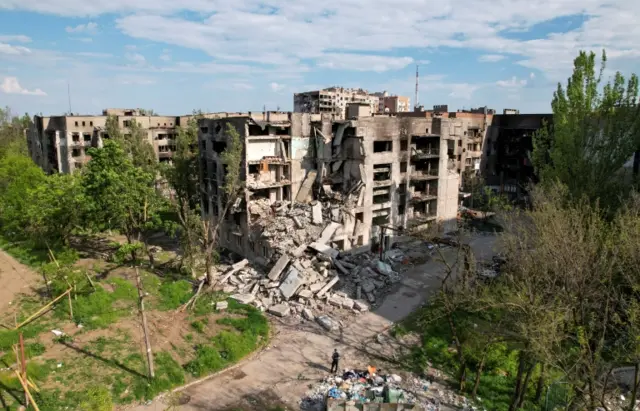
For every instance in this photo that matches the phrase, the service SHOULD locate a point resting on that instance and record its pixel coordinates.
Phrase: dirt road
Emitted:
(302, 352)
(15, 279)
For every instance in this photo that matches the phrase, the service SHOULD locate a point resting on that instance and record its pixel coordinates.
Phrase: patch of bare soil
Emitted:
(15, 279)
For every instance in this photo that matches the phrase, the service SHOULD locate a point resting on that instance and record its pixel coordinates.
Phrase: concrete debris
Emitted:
(316, 213)
(316, 276)
(327, 322)
(308, 314)
(222, 305)
(279, 267)
(280, 310)
(243, 298)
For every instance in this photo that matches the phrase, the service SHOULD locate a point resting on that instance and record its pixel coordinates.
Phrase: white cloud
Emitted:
(90, 27)
(512, 83)
(83, 39)
(532, 75)
(463, 91)
(359, 62)
(276, 87)
(10, 85)
(94, 54)
(131, 47)
(136, 58)
(491, 58)
(135, 80)
(18, 38)
(165, 56)
(14, 50)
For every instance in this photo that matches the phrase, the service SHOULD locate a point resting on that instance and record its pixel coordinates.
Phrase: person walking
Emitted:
(335, 358)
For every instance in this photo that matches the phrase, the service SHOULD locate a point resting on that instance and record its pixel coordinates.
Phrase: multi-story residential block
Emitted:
(310, 178)
(392, 103)
(333, 101)
(60, 143)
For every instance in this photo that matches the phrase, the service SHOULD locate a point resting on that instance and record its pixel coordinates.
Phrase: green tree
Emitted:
(19, 176)
(595, 130)
(231, 188)
(12, 132)
(183, 177)
(134, 141)
(120, 195)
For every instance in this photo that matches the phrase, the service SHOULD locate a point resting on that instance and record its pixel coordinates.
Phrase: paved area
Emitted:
(301, 353)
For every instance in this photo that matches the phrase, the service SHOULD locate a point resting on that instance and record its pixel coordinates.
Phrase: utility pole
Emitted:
(69, 96)
(417, 81)
(143, 315)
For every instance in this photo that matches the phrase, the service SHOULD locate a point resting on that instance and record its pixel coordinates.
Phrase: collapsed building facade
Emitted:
(312, 181)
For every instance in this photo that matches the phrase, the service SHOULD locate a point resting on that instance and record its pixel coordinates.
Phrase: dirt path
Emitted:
(15, 279)
(301, 353)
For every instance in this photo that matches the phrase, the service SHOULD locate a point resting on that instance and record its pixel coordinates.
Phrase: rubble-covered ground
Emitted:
(316, 282)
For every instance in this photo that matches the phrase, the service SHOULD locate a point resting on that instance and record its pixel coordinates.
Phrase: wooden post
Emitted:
(23, 367)
(143, 315)
(26, 391)
(43, 309)
(70, 307)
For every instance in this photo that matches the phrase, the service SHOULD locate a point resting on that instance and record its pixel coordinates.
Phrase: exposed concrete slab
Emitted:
(316, 213)
(280, 310)
(325, 249)
(328, 232)
(244, 298)
(327, 287)
(277, 269)
(291, 283)
(306, 294)
(304, 194)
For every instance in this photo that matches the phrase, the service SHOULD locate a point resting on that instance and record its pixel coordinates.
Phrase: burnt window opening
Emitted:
(420, 208)
(254, 168)
(336, 187)
(217, 128)
(256, 130)
(382, 172)
(105, 136)
(381, 217)
(286, 193)
(165, 160)
(75, 137)
(204, 130)
(404, 145)
(425, 146)
(401, 208)
(76, 152)
(382, 146)
(427, 131)
(403, 167)
(465, 133)
(286, 149)
(360, 217)
(459, 143)
(87, 137)
(260, 194)
(459, 157)
(126, 123)
(381, 196)
(219, 146)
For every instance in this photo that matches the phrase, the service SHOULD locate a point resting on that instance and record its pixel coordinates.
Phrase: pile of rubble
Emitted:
(365, 386)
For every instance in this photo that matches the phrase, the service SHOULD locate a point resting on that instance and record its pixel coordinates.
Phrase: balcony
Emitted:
(420, 196)
(424, 174)
(425, 153)
(421, 218)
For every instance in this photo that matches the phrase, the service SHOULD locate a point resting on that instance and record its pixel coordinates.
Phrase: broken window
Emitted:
(126, 123)
(105, 135)
(256, 130)
(381, 217)
(76, 124)
(286, 193)
(204, 130)
(75, 137)
(403, 167)
(459, 143)
(83, 124)
(401, 208)
(219, 146)
(382, 146)
(254, 168)
(91, 123)
(87, 137)
(263, 193)
(76, 152)
(404, 145)
(381, 172)
(381, 195)
(360, 217)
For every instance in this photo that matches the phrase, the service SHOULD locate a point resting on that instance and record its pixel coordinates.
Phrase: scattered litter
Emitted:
(57, 333)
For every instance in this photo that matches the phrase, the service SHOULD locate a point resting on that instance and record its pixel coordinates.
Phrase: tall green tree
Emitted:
(184, 178)
(120, 195)
(12, 132)
(134, 141)
(595, 130)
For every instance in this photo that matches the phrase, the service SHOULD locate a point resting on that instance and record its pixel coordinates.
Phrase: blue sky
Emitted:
(240, 55)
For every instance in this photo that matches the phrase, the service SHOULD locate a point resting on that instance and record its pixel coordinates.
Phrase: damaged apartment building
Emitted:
(59, 144)
(328, 184)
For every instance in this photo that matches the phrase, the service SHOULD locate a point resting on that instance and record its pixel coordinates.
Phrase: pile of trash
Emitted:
(366, 386)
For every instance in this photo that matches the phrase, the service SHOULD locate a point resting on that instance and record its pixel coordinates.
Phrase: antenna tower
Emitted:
(417, 76)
